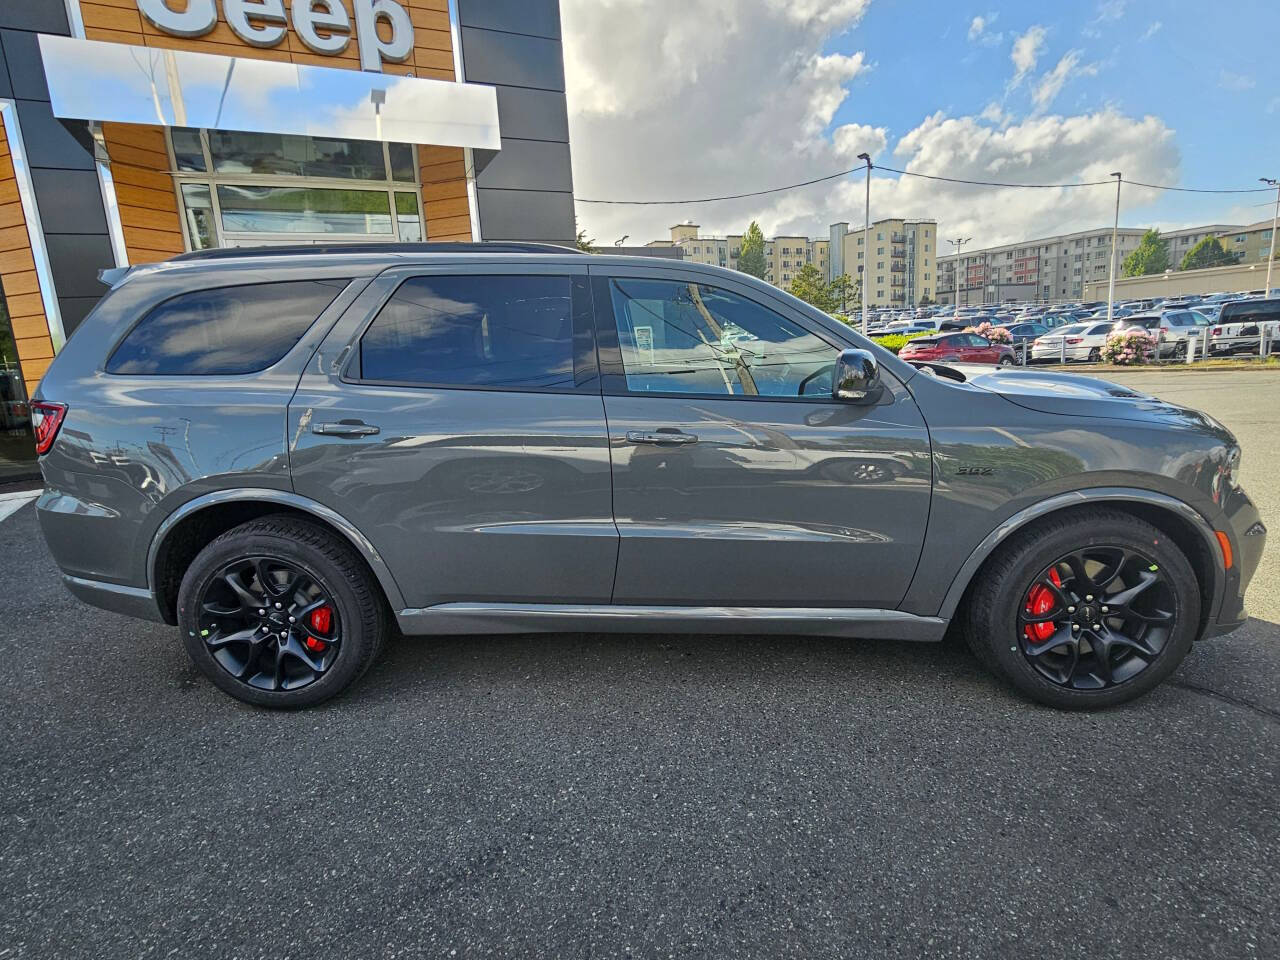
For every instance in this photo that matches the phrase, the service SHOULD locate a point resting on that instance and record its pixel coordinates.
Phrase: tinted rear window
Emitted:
(228, 330)
(1251, 311)
(474, 331)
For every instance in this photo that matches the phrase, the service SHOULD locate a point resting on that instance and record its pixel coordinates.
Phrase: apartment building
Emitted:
(783, 256)
(1057, 268)
(903, 261)
(1252, 244)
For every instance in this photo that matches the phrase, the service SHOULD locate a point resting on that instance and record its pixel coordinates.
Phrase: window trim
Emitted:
(581, 309)
(613, 377)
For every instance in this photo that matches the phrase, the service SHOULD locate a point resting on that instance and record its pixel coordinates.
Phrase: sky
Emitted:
(674, 99)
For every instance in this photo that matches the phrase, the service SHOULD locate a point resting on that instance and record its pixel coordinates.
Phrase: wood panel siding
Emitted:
(18, 276)
(139, 157)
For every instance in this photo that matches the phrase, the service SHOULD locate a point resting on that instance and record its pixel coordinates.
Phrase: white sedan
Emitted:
(1080, 341)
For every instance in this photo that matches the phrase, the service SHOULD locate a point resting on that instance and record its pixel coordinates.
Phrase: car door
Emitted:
(737, 479)
(454, 416)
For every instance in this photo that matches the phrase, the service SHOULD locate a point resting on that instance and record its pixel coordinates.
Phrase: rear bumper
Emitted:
(137, 602)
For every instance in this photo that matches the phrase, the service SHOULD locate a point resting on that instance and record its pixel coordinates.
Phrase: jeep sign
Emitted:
(323, 25)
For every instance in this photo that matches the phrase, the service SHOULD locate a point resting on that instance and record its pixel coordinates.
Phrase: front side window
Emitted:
(496, 332)
(228, 330)
(691, 338)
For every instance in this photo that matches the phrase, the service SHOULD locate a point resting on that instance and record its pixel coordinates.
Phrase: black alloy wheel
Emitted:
(269, 623)
(1097, 617)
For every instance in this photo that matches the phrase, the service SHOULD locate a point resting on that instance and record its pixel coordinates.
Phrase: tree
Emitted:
(1209, 252)
(585, 245)
(1152, 256)
(751, 253)
(925, 301)
(844, 294)
(810, 287)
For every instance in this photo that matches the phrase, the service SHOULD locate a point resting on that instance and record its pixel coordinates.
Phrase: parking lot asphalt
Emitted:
(595, 796)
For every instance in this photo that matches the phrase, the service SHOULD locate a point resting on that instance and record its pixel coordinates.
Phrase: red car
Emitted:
(958, 348)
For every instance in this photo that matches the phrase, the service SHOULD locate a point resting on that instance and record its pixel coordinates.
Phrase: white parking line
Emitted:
(11, 503)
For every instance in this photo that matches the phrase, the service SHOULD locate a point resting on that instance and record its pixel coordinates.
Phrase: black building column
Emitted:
(525, 191)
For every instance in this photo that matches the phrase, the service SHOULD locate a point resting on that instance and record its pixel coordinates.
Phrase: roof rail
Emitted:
(222, 253)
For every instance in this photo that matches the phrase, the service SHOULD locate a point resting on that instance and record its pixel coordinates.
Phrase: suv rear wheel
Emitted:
(1085, 611)
(279, 612)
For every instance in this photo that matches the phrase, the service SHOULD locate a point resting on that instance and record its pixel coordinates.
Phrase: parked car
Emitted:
(1241, 324)
(1081, 341)
(958, 348)
(1026, 332)
(1177, 328)
(519, 438)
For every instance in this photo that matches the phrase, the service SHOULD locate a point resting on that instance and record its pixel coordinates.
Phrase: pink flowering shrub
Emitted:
(1130, 347)
(992, 333)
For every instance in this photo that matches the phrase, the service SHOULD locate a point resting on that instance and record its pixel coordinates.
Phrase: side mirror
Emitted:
(857, 377)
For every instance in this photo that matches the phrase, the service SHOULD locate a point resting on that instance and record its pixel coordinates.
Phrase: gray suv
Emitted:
(289, 453)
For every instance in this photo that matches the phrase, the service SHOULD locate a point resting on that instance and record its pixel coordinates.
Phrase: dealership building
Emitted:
(135, 130)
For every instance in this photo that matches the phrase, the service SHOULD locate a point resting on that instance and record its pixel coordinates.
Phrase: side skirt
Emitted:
(460, 618)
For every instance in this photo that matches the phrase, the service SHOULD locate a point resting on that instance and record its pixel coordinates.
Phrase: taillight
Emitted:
(1217, 331)
(46, 418)
(1075, 339)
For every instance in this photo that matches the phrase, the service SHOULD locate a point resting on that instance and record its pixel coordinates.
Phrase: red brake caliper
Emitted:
(321, 621)
(1040, 600)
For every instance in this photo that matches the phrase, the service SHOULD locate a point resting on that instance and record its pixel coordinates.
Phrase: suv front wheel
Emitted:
(279, 612)
(1089, 610)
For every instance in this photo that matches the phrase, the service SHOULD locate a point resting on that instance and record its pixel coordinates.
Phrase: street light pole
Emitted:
(866, 241)
(1275, 219)
(1115, 241)
(959, 245)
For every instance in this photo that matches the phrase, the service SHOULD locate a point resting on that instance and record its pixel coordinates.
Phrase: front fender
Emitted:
(1075, 498)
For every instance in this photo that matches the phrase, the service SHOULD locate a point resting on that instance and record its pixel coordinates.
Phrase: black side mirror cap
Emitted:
(857, 377)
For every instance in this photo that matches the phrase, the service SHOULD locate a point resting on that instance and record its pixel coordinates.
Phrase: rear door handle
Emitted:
(345, 428)
(658, 436)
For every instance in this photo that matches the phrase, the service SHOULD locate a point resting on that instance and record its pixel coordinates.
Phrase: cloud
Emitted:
(662, 107)
(1026, 52)
(1151, 31)
(841, 14)
(1050, 85)
(979, 32)
(1109, 11)
(1237, 82)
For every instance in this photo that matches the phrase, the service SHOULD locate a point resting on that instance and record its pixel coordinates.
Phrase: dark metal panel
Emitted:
(540, 18)
(527, 114)
(45, 16)
(75, 309)
(26, 69)
(528, 165)
(70, 201)
(49, 142)
(512, 59)
(76, 260)
(524, 214)
(6, 88)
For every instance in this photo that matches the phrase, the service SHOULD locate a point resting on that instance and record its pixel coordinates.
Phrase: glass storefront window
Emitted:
(188, 151)
(265, 209)
(407, 218)
(403, 167)
(278, 154)
(17, 446)
(199, 206)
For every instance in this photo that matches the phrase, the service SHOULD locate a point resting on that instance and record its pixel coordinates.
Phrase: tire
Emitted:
(1180, 350)
(991, 615)
(1095, 355)
(1006, 361)
(334, 576)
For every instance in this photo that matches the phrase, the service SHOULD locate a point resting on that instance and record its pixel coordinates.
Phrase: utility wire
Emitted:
(734, 196)
(922, 176)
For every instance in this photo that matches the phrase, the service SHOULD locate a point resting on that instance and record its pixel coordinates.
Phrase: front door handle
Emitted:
(658, 436)
(345, 428)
